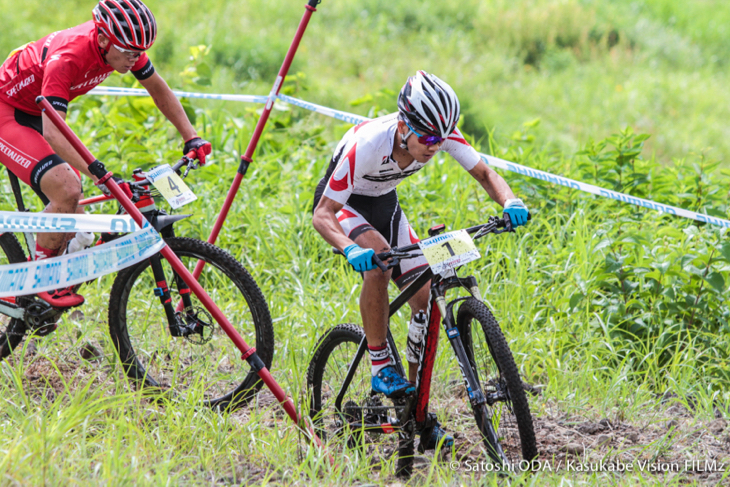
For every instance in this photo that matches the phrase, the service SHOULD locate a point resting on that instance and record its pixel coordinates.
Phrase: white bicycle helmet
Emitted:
(129, 24)
(429, 105)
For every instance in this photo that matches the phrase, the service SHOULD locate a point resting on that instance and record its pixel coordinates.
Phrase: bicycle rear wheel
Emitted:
(12, 330)
(207, 366)
(363, 420)
(507, 411)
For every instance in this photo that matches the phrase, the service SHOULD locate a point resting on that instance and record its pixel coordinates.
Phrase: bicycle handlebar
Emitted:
(137, 187)
(394, 255)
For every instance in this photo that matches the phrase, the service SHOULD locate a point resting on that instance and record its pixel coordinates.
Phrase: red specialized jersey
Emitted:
(61, 66)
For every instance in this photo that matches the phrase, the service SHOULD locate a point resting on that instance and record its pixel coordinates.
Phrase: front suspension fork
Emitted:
(177, 326)
(470, 375)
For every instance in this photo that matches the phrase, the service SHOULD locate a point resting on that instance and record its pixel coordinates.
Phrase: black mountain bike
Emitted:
(343, 404)
(164, 337)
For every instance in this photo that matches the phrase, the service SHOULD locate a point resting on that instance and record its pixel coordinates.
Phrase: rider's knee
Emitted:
(377, 276)
(66, 192)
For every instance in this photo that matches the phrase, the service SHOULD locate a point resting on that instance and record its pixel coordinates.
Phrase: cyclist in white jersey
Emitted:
(356, 209)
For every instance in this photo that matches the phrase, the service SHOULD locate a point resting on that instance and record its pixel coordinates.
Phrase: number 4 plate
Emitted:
(171, 186)
(444, 252)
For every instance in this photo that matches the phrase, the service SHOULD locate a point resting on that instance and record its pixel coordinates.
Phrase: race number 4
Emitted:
(447, 251)
(171, 186)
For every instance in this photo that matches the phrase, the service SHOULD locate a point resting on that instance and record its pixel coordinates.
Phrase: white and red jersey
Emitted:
(61, 66)
(363, 162)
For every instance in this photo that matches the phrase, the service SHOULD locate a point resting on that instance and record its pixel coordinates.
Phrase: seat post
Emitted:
(15, 185)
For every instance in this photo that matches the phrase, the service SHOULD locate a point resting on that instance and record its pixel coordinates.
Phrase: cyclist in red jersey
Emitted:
(357, 210)
(62, 66)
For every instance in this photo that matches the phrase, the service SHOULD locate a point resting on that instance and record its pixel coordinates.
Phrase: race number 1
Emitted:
(444, 252)
(171, 186)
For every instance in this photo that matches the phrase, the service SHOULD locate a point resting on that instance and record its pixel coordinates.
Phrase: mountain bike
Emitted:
(164, 337)
(343, 405)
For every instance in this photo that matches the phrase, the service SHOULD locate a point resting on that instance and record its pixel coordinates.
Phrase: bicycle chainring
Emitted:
(41, 318)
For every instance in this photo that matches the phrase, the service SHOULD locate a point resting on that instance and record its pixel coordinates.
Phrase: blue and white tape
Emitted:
(490, 160)
(13, 221)
(48, 274)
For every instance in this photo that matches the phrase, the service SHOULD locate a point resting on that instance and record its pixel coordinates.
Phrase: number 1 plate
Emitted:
(444, 252)
(171, 186)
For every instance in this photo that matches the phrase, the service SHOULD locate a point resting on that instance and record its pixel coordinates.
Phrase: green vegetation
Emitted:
(607, 305)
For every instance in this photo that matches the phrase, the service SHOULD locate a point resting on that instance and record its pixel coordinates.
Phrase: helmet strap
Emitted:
(404, 138)
(103, 50)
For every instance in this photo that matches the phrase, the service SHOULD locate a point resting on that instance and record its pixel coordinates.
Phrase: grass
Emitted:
(571, 323)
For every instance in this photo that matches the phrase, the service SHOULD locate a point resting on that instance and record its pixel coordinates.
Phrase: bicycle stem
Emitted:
(248, 353)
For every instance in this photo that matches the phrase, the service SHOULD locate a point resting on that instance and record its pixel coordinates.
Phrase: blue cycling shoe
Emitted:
(389, 382)
(435, 437)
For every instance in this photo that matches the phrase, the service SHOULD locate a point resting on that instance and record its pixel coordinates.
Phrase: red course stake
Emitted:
(248, 353)
(247, 158)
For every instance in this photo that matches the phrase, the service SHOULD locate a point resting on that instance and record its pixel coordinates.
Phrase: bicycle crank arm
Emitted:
(384, 428)
(11, 310)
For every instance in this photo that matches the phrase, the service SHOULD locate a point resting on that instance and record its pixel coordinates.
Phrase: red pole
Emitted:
(249, 353)
(247, 158)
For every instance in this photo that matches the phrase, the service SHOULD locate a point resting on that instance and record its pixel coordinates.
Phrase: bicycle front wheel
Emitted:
(208, 365)
(507, 412)
(12, 330)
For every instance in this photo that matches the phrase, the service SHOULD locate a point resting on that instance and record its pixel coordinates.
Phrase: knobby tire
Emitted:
(505, 375)
(12, 330)
(153, 358)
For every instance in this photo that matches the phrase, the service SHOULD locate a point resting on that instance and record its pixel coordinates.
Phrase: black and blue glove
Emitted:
(517, 211)
(359, 258)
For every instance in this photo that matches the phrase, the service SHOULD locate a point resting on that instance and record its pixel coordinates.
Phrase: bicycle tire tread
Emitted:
(223, 261)
(15, 329)
(508, 368)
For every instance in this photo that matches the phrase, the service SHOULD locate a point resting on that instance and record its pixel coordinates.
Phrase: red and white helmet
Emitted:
(429, 105)
(129, 24)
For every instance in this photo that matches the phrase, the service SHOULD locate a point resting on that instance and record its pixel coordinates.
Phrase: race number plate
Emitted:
(444, 252)
(171, 186)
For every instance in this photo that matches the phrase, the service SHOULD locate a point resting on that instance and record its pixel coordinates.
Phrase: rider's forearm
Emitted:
(494, 184)
(325, 222)
(169, 105)
(63, 147)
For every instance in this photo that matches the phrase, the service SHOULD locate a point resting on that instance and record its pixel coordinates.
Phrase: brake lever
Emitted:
(381, 265)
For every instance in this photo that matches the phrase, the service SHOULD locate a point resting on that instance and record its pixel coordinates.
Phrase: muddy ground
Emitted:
(669, 442)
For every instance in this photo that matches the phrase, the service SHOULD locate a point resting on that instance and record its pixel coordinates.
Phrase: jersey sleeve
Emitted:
(59, 75)
(143, 68)
(457, 146)
(355, 160)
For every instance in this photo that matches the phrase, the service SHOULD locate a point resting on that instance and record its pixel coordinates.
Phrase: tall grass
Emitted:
(606, 305)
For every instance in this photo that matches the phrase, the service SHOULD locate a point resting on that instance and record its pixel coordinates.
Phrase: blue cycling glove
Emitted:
(517, 212)
(361, 259)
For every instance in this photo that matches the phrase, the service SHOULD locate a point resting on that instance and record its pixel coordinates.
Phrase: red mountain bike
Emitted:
(164, 336)
(343, 404)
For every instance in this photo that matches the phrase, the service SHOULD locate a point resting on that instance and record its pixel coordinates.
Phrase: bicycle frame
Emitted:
(418, 403)
(248, 353)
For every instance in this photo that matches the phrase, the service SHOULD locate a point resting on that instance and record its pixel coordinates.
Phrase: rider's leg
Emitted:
(63, 188)
(61, 185)
(374, 310)
(374, 294)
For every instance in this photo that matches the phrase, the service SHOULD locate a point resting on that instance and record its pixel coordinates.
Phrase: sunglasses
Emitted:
(131, 55)
(427, 140)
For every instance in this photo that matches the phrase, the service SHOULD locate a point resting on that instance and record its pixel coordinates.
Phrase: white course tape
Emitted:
(492, 161)
(59, 272)
(111, 91)
(589, 188)
(13, 221)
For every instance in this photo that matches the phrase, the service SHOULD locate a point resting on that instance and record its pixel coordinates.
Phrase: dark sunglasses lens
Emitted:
(430, 140)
